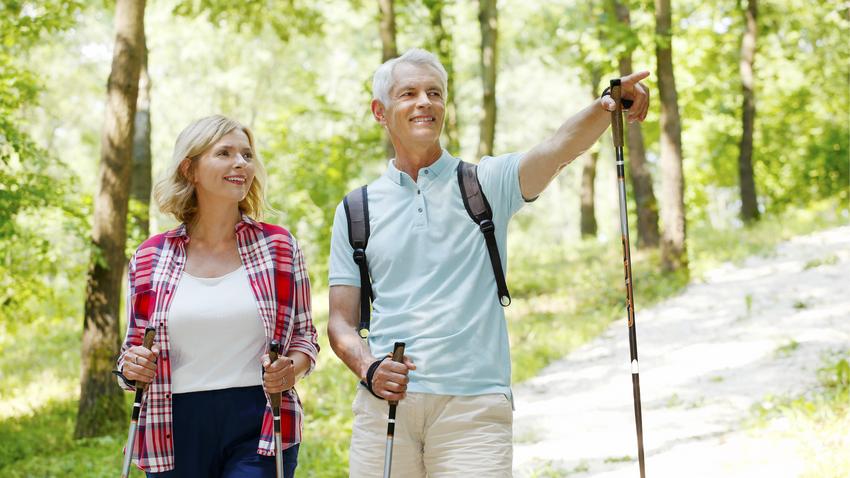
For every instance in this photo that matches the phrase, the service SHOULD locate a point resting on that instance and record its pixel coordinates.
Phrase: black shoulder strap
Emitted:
(356, 204)
(479, 210)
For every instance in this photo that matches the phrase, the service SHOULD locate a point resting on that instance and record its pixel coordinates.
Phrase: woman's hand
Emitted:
(140, 363)
(278, 376)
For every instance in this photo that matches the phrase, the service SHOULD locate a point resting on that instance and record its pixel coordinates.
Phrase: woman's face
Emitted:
(226, 170)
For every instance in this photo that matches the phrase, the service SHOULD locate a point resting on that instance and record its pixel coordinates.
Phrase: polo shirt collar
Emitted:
(439, 166)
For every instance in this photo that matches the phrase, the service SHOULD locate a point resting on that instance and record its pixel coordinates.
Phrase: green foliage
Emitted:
(313, 175)
(34, 185)
(283, 17)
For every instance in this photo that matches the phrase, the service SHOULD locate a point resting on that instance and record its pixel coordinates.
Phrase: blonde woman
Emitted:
(217, 289)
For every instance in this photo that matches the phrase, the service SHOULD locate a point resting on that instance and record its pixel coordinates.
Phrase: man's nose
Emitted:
(423, 99)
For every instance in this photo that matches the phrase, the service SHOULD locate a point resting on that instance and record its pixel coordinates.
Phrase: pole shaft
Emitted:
(617, 130)
(130, 448)
(274, 398)
(398, 356)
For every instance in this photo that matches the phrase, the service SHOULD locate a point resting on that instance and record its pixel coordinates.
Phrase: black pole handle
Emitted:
(274, 352)
(398, 356)
(147, 342)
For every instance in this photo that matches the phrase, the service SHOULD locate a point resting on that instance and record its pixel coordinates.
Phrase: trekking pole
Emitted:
(147, 342)
(617, 130)
(274, 350)
(398, 356)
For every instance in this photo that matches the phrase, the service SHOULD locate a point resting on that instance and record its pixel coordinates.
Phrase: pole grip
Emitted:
(617, 114)
(147, 342)
(274, 352)
(398, 356)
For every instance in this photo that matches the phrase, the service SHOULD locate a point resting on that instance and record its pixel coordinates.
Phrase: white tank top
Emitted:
(216, 334)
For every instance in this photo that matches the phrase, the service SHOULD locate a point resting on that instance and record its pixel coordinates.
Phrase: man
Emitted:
(433, 282)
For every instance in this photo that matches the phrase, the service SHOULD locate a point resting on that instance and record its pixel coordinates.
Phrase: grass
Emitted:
(562, 299)
(816, 421)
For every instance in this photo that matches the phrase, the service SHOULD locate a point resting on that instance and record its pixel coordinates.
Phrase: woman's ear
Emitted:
(186, 170)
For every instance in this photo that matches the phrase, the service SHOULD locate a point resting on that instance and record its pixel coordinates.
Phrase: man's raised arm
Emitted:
(543, 162)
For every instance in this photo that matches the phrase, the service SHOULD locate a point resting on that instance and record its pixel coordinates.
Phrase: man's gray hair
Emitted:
(383, 80)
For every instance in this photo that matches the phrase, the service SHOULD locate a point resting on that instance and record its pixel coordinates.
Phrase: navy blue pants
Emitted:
(216, 435)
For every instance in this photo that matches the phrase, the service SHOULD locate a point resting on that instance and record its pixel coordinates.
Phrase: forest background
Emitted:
(747, 143)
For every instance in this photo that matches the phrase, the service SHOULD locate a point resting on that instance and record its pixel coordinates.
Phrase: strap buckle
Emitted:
(486, 226)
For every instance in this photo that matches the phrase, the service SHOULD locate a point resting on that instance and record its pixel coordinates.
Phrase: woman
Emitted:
(217, 289)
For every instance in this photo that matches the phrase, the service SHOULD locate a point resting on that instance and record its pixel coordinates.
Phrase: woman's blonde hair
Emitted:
(175, 193)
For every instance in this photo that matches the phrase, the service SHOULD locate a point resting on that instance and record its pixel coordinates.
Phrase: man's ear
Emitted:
(378, 111)
(186, 170)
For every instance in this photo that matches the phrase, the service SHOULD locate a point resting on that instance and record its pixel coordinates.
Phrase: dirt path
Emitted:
(706, 357)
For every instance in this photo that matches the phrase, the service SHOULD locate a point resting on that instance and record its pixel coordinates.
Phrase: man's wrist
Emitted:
(363, 369)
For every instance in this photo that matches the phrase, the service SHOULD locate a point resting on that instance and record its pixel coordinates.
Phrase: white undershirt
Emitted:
(215, 333)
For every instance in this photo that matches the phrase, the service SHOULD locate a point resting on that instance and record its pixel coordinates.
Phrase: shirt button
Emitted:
(426, 171)
(420, 209)
(418, 192)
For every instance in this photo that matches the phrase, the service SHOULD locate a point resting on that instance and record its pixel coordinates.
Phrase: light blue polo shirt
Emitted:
(431, 274)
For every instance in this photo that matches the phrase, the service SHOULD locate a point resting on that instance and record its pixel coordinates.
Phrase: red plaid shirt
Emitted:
(278, 278)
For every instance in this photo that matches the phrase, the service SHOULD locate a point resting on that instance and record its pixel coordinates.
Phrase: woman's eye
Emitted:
(224, 152)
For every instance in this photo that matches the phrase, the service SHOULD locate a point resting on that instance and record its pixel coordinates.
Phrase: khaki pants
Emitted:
(436, 436)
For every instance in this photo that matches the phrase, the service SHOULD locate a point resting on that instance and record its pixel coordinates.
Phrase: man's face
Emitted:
(416, 110)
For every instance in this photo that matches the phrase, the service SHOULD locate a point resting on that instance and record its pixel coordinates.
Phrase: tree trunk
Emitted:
(647, 206)
(101, 409)
(389, 50)
(673, 249)
(488, 20)
(749, 202)
(140, 181)
(588, 209)
(587, 195)
(443, 47)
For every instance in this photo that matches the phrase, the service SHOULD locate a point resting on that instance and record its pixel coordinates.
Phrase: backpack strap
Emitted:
(479, 210)
(356, 206)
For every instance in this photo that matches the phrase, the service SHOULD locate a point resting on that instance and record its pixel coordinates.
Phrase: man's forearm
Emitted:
(574, 137)
(349, 347)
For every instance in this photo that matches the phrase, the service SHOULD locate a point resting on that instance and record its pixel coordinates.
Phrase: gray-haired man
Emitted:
(433, 282)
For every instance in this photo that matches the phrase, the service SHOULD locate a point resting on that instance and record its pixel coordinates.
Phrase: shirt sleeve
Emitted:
(135, 331)
(304, 336)
(341, 268)
(499, 178)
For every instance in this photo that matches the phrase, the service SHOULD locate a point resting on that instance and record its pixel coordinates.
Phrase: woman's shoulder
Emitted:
(157, 242)
(274, 229)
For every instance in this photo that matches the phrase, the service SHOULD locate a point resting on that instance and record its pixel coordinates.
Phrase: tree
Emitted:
(749, 202)
(673, 250)
(140, 182)
(389, 50)
(442, 45)
(588, 209)
(588, 172)
(101, 402)
(488, 21)
(647, 206)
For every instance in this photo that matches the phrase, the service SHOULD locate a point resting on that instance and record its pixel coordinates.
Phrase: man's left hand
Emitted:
(632, 89)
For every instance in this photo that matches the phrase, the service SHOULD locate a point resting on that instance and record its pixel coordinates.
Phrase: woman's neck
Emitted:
(214, 224)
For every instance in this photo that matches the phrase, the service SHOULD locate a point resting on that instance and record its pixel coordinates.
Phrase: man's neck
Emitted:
(411, 160)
